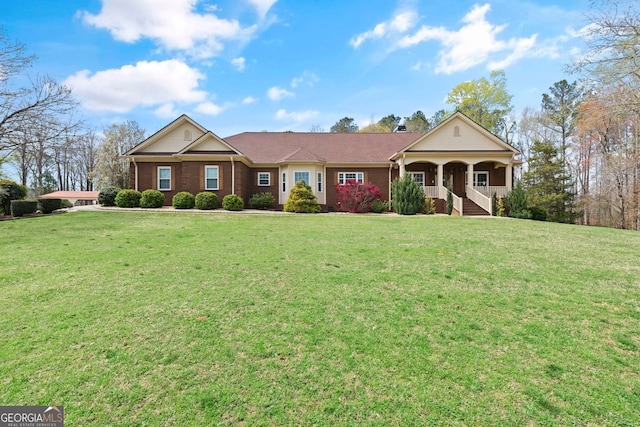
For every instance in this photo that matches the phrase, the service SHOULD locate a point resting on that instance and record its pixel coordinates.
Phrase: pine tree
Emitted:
(547, 184)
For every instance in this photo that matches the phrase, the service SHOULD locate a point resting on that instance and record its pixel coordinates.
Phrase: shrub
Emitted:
(494, 204)
(538, 213)
(379, 206)
(232, 202)
(49, 205)
(356, 197)
(10, 191)
(517, 202)
(128, 199)
(184, 200)
(302, 200)
(152, 199)
(262, 201)
(107, 196)
(429, 206)
(206, 200)
(23, 207)
(65, 204)
(500, 207)
(449, 202)
(408, 195)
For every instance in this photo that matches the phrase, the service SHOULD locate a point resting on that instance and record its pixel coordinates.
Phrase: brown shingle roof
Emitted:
(275, 147)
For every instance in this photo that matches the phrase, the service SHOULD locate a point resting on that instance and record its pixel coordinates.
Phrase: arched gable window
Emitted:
(456, 131)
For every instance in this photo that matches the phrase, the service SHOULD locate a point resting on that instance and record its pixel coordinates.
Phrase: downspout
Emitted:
(390, 169)
(135, 173)
(233, 176)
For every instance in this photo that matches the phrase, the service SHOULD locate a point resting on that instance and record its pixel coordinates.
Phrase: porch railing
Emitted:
(487, 191)
(457, 201)
(432, 191)
(478, 198)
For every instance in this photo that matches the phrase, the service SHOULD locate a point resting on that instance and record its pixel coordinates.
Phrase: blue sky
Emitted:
(253, 65)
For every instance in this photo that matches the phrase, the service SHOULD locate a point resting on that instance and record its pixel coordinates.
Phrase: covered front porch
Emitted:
(472, 181)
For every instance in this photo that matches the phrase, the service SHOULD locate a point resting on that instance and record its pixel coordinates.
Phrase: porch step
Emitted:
(469, 208)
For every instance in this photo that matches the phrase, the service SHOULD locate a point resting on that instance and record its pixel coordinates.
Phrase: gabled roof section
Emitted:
(209, 143)
(302, 155)
(458, 133)
(171, 139)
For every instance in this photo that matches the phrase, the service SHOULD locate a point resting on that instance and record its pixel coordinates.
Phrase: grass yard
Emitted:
(156, 319)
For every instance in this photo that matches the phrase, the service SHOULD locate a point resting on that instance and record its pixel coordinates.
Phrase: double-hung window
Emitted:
(264, 179)
(319, 182)
(211, 178)
(480, 179)
(418, 177)
(301, 176)
(284, 182)
(343, 177)
(164, 178)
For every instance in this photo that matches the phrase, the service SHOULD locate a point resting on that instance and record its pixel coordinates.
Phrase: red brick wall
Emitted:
(376, 176)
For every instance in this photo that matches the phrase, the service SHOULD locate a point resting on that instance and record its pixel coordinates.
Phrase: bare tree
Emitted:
(111, 168)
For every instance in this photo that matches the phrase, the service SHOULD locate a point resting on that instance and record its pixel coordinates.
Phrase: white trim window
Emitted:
(211, 178)
(343, 177)
(481, 179)
(319, 182)
(284, 182)
(264, 179)
(417, 177)
(301, 176)
(164, 178)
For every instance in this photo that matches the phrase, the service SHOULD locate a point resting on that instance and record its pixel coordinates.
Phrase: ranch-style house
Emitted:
(459, 153)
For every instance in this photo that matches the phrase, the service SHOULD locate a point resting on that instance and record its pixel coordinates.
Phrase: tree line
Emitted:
(43, 140)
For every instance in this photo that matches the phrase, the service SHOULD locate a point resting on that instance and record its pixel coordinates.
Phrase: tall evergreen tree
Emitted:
(547, 184)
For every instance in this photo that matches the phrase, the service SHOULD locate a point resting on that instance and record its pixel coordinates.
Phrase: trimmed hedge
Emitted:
(10, 191)
(107, 196)
(232, 202)
(262, 201)
(151, 199)
(49, 205)
(379, 206)
(128, 199)
(206, 200)
(184, 200)
(23, 207)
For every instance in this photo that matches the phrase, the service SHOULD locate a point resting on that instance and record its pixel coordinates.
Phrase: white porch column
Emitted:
(470, 175)
(402, 171)
(509, 177)
(440, 175)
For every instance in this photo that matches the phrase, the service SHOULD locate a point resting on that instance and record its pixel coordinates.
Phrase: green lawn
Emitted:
(177, 319)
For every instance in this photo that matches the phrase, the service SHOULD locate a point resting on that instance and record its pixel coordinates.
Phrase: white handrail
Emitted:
(479, 199)
(457, 203)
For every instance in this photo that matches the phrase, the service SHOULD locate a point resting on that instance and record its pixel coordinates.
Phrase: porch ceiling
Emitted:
(468, 157)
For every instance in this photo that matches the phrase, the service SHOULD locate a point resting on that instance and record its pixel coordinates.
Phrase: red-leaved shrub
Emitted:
(356, 197)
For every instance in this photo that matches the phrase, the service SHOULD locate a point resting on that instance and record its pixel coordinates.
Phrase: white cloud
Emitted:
(166, 111)
(296, 116)
(473, 44)
(209, 108)
(173, 24)
(400, 23)
(143, 84)
(276, 94)
(249, 100)
(262, 6)
(238, 63)
(307, 78)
